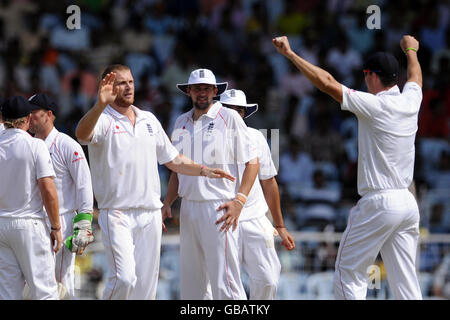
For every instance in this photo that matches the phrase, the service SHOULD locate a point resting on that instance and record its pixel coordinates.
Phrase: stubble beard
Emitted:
(203, 106)
(123, 103)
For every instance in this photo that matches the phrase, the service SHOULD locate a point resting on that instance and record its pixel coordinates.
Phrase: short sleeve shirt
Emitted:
(218, 139)
(24, 160)
(124, 160)
(256, 205)
(73, 177)
(387, 126)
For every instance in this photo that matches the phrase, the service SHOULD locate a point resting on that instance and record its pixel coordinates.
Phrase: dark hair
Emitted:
(114, 67)
(386, 67)
(388, 81)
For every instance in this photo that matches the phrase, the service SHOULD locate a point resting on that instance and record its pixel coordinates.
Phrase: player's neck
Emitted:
(126, 111)
(199, 112)
(44, 133)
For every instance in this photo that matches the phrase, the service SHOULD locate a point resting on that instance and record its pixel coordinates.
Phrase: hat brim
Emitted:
(249, 108)
(221, 87)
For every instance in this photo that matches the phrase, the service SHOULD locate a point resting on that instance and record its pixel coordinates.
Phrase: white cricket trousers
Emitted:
(132, 241)
(26, 255)
(65, 259)
(385, 222)
(259, 257)
(207, 255)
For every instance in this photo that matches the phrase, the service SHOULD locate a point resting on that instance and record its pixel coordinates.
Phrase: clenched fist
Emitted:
(282, 45)
(409, 42)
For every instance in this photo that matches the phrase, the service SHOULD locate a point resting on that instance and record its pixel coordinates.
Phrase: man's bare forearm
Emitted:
(414, 71)
(172, 190)
(184, 165)
(319, 77)
(85, 128)
(50, 199)
(272, 196)
(249, 176)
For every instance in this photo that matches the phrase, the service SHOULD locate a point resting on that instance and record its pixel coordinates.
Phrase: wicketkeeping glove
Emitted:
(82, 233)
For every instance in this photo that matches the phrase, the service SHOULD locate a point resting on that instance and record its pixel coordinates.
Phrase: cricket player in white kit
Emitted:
(257, 248)
(26, 175)
(211, 134)
(73, 185)
(386, 219)
(125, 146)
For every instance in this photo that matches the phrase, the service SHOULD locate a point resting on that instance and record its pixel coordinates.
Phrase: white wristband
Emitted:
(243, 195)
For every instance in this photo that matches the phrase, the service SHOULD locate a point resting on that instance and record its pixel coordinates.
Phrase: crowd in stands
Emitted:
(164, 40)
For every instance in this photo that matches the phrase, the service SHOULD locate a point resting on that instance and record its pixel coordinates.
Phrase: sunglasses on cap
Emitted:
(368, 71)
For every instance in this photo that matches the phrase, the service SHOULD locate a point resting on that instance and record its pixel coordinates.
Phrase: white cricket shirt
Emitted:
(256, 206)
(73, 178)
(124, 160)
(387, 125)
(218, 139)
(23, 160)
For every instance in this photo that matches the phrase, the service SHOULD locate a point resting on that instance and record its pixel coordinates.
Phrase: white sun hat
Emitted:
(235, 97)
(203, 76)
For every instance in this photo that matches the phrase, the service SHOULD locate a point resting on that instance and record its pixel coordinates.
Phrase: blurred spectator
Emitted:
(13, 14)
(317, 203)
(324, 143)
(360, 37)
(434, 115)
(344, 60)
(433, 32)
(295, 83)
(441, 282)
(296, 168)
(292, 21)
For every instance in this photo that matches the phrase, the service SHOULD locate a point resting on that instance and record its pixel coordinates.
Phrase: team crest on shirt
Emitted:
(77, 157)
(210, 128)
(118, 129)
(149, 128)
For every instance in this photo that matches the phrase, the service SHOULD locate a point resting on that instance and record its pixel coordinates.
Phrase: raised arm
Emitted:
(410, 46)
(320, 78)
(107, 93)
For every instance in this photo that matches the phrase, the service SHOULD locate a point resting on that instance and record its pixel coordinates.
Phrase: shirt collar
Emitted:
(51, 137)
(212, 112)
(392, 91)
(138, 112)
(16, 130)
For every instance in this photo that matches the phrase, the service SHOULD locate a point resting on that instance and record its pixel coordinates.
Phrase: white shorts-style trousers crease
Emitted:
(385, 222)
(26, 255)
(132, 241)
(207, 255)
(259, 257)
(65, 259)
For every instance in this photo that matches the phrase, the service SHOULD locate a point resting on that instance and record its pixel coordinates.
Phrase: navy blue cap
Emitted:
(43, 101)
(383, 64)
(16, 107)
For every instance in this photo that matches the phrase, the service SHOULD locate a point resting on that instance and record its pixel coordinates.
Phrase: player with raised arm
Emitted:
(125, 146)
(386, 219)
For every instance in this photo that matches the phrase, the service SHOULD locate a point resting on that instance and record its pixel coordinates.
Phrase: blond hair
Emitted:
(14, 123)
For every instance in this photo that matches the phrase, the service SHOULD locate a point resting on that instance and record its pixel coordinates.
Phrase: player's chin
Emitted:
(125, 101)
